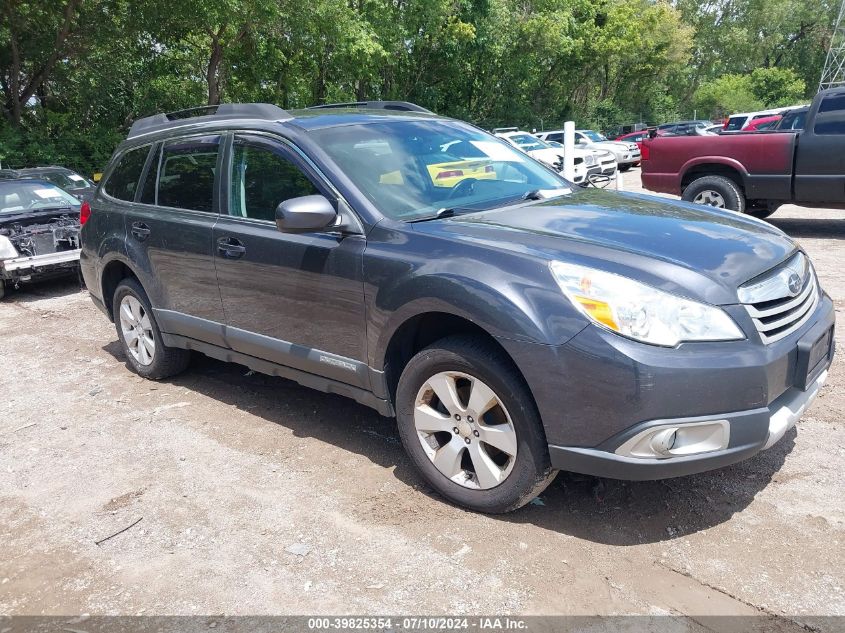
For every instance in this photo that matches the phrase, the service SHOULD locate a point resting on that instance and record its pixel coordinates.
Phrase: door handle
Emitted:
(230, 248)
(140, 230)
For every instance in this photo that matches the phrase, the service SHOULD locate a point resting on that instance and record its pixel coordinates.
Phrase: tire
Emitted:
(624, 168)
(715, 188)
(478, 364)
(2, 288)
(163, 361)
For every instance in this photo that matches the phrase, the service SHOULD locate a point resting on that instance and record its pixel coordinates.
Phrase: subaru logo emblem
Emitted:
(794, 284)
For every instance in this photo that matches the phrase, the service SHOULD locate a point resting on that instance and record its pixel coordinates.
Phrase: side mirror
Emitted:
(306, 214)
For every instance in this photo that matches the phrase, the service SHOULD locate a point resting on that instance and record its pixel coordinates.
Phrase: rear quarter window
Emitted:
(830, 118)
(122, 183)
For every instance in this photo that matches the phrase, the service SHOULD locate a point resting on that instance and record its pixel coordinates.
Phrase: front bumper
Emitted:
(23, 267)
(751, 431)
(600, 390)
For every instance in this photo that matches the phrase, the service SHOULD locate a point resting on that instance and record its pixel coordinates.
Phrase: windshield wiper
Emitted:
(446, 212)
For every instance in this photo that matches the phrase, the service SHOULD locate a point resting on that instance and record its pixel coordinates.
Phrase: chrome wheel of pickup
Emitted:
(465, 430)
(137, 330)
(711, 198)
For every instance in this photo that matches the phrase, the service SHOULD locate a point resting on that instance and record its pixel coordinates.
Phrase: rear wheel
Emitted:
(470, 426)
(715, 191)
(146, 353)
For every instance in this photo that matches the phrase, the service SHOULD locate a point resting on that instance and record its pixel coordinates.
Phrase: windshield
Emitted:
(528, 143)
(594, 136)
(65, 180)
(793, 120)
(412, 169)
(20, 196)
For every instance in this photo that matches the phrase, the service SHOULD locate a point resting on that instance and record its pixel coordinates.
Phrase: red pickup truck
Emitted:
(756, 172)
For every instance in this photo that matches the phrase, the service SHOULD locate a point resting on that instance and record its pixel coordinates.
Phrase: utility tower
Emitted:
(833, 74)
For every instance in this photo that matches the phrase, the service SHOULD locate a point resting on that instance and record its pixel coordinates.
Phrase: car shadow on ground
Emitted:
(62, 286)
(821, 228)
(600, 510)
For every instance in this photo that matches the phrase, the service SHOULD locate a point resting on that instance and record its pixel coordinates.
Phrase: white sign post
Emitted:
(569, 150)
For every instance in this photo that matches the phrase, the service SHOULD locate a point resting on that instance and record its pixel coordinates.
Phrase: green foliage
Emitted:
(777, 86)
(727, 94)
(75, 73)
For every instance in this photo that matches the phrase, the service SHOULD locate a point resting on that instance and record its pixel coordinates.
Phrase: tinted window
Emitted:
(830, 118)
(793, 120)
(186, 174)
(735, 123)
(148, 193)
(123, 181)
(832, 103)
(262, 177)
(555, 137)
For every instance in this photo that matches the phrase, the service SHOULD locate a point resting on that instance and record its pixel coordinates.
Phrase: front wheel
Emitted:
(624, 168)
(470, 426)
(715, 191)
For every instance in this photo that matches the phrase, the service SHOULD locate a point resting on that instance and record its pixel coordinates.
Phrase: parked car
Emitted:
(626, 154)
(763, 123)
(714, 129)
(39, 231)
(756, 173)
(63, 177)
(634, 137)
(739, 122)
(793, 119)
(586, 163)
(514, 326)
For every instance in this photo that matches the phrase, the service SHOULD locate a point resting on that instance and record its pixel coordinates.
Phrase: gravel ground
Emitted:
(252, 495)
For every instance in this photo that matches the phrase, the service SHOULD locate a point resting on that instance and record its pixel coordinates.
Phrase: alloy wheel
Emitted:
(465, 430)
(137, 330)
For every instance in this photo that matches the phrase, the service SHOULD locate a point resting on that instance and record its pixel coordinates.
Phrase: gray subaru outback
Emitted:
(513, 323)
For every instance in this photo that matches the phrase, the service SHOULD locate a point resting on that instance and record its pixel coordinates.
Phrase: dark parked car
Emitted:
(514, 325)
(63, 177)
(757, 172)
(39, 231)
(793, 120)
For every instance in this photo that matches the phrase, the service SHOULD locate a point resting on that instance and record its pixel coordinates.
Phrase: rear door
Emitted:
(169, 232)
(293, 299)
(820, 159)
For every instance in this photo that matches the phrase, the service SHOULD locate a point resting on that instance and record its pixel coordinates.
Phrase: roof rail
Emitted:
(505, 129)
(223, 111)
(403, 106)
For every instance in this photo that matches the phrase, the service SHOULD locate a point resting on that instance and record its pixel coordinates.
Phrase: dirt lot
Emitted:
(255, 496)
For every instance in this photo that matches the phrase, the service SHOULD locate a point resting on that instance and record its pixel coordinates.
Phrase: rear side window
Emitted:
(830, 118)
(187, 171)
(123, 181)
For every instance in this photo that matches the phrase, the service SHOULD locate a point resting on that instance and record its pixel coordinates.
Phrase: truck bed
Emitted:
(762, 160)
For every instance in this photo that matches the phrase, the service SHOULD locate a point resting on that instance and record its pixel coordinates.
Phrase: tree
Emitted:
(726, 95)
(777, 86)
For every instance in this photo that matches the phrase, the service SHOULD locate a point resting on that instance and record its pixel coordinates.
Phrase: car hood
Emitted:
(550, 155)
(695, 251)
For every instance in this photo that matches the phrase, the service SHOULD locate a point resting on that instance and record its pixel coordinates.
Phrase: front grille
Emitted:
(778, 312)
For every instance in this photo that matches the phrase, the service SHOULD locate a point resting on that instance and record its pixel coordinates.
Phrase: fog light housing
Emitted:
(664, 441)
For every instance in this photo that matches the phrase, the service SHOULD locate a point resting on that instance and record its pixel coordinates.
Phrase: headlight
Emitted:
(590, 159)
(7, 249)
(639, 311)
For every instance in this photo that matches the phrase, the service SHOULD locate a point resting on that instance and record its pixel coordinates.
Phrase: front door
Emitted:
(820, 160)
(293, 299)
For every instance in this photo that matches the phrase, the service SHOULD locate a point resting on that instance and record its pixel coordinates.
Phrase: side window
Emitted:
(262, 177)
(830, 118)
(148, 192)
(123, 181)
(186, 174)
(557, 137)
